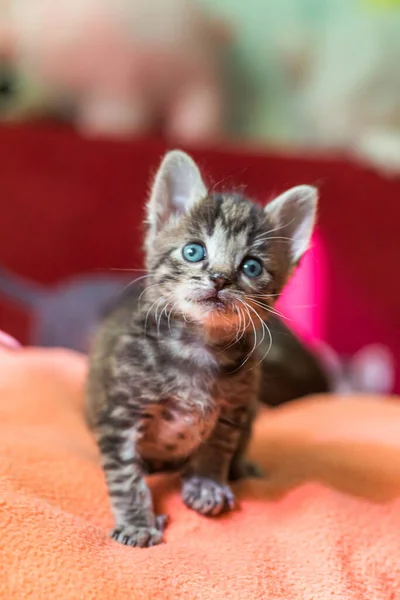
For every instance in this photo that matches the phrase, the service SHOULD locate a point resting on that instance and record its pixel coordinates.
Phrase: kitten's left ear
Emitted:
(177, 186)
(293, 215)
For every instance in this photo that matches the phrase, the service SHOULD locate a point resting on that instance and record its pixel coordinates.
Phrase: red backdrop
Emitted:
(70, 206)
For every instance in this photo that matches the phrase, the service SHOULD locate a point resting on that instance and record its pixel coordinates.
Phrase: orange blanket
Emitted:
(324, 525)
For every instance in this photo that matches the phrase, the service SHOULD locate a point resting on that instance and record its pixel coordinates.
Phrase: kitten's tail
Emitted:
(19, 289)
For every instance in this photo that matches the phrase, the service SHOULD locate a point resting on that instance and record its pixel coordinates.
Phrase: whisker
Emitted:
(239, 329)
(158, 318)
(244, 327)
(282, 226)
(237, 333)
(261, 322)
(268, 350)
(169, 317)
(255, 338)
(124, 270)
(271, 310)
(135, 280)
(148, 312)
(145, 290)
(262, 295)
(254, 332)
(265, 327)
(274, 312)
(265, 236)
(218, 183)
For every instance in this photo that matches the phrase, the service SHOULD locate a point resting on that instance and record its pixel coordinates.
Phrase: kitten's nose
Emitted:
(220, 280)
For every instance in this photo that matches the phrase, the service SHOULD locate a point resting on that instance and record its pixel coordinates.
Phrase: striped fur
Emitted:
(174, 375)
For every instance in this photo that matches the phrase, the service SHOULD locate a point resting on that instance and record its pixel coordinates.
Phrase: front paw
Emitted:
(138, 537)
(207, 497)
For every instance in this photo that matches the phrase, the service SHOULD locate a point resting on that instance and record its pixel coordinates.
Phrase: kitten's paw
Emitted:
(243, 469)
(138, 537)
(207, 497)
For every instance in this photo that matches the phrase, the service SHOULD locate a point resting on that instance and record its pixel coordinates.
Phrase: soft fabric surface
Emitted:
(302, 534)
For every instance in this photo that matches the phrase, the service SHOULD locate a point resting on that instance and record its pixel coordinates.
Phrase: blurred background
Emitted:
(287, 72)
(264, 93)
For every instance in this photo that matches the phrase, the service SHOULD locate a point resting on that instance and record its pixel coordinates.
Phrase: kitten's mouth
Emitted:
(212, 299)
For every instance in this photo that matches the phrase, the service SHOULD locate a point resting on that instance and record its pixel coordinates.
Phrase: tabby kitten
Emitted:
(174, 371)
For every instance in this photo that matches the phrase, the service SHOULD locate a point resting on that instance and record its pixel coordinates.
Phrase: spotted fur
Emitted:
(175, 368)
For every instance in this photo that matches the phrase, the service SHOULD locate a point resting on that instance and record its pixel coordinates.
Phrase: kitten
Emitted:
(174, 372)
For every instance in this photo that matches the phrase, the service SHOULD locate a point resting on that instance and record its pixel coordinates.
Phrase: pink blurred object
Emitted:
(371, 369)
(304, 300)
(7, 341)
(126, 66)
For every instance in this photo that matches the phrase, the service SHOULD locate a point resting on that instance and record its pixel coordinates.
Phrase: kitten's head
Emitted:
(220, 256)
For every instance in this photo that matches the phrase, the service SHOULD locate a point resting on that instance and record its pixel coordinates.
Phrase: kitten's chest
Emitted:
(176, 428)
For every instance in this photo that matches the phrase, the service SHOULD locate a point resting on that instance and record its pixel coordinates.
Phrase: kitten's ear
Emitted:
(293, 215)
(177, 186)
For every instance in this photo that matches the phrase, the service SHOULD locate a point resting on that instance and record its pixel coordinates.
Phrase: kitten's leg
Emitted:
(240, 467)
(131, 502)
(205, 485)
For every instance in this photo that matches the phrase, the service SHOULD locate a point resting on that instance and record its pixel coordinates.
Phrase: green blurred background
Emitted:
(266, 29)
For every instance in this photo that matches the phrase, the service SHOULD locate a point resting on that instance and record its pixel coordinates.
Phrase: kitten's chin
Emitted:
(209, 313)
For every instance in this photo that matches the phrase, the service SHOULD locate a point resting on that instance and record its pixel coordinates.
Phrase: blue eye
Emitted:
(194, 252)
(252, 267)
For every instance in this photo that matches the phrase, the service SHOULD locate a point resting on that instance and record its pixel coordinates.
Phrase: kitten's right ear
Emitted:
(178, 185)
(293, 215)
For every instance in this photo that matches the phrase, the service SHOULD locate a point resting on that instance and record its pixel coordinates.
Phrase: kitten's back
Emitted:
(290, 370)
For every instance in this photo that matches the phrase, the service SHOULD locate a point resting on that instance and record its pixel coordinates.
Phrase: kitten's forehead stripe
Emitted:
(229, 222)
(213, 213)
(228, 216)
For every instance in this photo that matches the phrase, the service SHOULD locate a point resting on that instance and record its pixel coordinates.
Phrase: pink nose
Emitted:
(220, 280)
